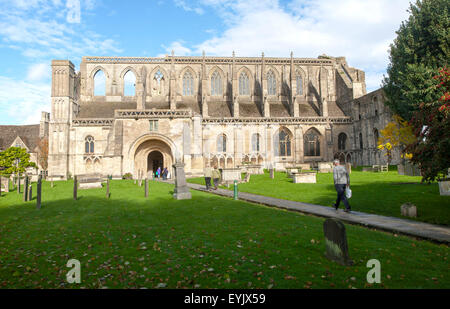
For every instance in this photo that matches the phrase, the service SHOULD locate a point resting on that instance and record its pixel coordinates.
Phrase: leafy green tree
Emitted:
(8, 160)
(431, 150)
(422, 47)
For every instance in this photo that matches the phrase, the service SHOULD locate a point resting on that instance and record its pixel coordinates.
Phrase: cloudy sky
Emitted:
(33, 32)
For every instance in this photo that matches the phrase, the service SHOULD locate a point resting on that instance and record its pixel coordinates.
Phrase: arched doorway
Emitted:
(151, 154)
(155, 159)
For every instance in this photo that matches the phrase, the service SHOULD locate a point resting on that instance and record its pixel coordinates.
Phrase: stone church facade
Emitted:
(224, 111)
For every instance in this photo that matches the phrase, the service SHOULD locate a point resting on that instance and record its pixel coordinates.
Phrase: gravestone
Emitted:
(75, 188)
(30, 193)
(107, 188)
(272, 174)
(25, 189)
(336, 242)
(39, 192)
(408, 210)
(181, 191)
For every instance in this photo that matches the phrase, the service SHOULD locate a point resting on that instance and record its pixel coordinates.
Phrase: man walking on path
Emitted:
(341, 182)
(216, 177)
(208, 175)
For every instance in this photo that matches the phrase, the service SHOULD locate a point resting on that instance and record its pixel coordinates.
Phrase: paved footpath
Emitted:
(423, 230)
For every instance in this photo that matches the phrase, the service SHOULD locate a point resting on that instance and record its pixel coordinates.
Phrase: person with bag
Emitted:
(342, 184)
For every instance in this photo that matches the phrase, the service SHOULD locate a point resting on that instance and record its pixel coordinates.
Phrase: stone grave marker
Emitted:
(75, 188)
(408, 210)
(181, 191)
(336, 242)
(39, 192)
(107, 188)
(30, 193)
(25, 189)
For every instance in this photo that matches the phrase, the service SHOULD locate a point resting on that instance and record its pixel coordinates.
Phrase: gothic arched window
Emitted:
(312, 143)
(99, 83)
(216, 84)
(271, 83)
(89, 144)
(375, 136)
(284, 143)
(299, 84)
(342, 141)
(158, 83)
(244, 84)
(255, 142)
(222, 143)
(129, 84)
(188, 83)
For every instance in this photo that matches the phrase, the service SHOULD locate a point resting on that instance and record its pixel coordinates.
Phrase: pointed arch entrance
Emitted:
(151, 153)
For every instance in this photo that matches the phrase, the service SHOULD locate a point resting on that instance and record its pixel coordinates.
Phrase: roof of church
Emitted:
(215, 109)
(28, 133)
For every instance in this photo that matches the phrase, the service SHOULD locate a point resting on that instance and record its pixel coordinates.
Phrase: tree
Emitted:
(397, 133)
(42, 152)
(421, 47)
(431, 149)
(8, 160)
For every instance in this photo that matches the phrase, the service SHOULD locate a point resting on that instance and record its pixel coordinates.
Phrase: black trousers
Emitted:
(340, 189)
(208, 182)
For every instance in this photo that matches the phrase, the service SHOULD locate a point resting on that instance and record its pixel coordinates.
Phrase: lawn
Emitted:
(377, 193)
(128, 241)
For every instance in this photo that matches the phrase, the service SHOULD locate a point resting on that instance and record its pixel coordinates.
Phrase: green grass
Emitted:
(128, 241)
(376, 193)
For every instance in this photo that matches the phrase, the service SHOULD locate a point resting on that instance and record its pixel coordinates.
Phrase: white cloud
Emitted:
(360, 30)
(21, 102)
(73, 11)
(178, 48)
(189, 8)
(39, 72)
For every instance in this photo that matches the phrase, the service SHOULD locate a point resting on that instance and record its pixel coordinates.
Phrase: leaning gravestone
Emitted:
(181, 191)
(336, 242)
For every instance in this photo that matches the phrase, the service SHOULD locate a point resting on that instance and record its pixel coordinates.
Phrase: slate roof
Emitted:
(215, 109)
(28, 133)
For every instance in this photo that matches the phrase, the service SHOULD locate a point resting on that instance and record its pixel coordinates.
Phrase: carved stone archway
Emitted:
(149, 151)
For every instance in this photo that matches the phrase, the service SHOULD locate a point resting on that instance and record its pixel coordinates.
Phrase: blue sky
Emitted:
(33, 32)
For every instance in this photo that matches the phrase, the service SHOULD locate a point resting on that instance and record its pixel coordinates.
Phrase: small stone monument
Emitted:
(25, 189)
(75, 188)
(30, 193)
(39, 191)
(107, 188)
(408, 210)
(336, 242)
(272, 174)
(181, 191)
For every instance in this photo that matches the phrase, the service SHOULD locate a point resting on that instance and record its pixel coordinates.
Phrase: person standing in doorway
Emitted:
(158, 172)
(208, 175)
(216, 177)
(341, 182)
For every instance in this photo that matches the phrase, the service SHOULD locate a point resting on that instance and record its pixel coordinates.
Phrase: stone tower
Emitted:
(64, 106)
